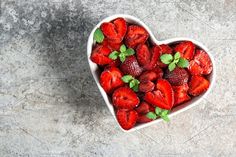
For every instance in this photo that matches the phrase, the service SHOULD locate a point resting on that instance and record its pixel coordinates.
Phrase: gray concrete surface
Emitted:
(50, 105)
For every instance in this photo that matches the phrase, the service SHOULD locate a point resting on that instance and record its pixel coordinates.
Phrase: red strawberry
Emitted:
(201, 64)
(165, 49)
(146, 86)
(181, 94)
(177, 77)
(111, 45)
(143, 54)
(127, 119)
(114, 63)
(151, 75)
(131, 66)
(194, 68)
(144, 108)
(143, 119)
(186, 49)
(115, 30)
(198, 85)
(163, 97)
(100, 55)
(125, 98)
(159, 72)
(156, 52)
(135, 35)
(110, 79)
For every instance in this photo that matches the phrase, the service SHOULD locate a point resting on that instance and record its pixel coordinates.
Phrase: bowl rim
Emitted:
(92, 65)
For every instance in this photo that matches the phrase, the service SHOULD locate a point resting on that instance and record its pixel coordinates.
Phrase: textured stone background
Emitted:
(50, 105)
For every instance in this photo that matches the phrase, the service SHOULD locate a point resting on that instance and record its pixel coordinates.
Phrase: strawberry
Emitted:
(144, 108)
(165, 49)
(181, 94)
(125, 98)
(143, 119)
(177, 77)
(110, 79)
(151, 75)
(186, 49)
(143, 54)
(201, 64)
(146, 86)
(115, 30)
(100, 55)
(127, 119)
(135, 35)
(163, 97)
(198, 85)
(114, 63)
(156, 52)
(131, 66)
(159, 72)
(194, 68)
(111, 45)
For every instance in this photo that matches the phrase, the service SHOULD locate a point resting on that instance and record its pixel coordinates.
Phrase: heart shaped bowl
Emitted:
(96, 71)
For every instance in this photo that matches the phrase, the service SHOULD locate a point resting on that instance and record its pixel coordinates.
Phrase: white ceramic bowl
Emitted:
(95, 70)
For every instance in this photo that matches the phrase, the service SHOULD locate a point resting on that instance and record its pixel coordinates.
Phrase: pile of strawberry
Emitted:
(145, 81)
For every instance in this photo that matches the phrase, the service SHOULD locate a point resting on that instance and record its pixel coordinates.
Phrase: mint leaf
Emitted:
(122, 48)
(114, 55)
(183, 63)
(136, 81)
(98, 35)
(129, 52)
(127, 78)
(166, 58)
(171, 66)
(164, 112)
(164, 115)
(135, 88)
(177, 56)
(122, 57)
(132, 84)
(165, 118)
(151, 115)
(157, 110)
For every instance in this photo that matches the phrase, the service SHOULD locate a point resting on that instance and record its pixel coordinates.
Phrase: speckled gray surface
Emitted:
(50, 105)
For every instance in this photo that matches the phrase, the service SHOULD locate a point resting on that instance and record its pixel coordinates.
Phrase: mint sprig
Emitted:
(133, 83)
(159, 113)
(98, 35)
(124, 52)
(174, 61)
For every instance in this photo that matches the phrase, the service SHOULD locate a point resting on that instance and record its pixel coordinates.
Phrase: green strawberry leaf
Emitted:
(114, 55)
(183, 63)
(171, 66)
(127, 78)
(122, 57)
(166, 58)
(122, 48)
(98, 35)
(177, 56)
(157, 110)
(129, 52)
(151, 115)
